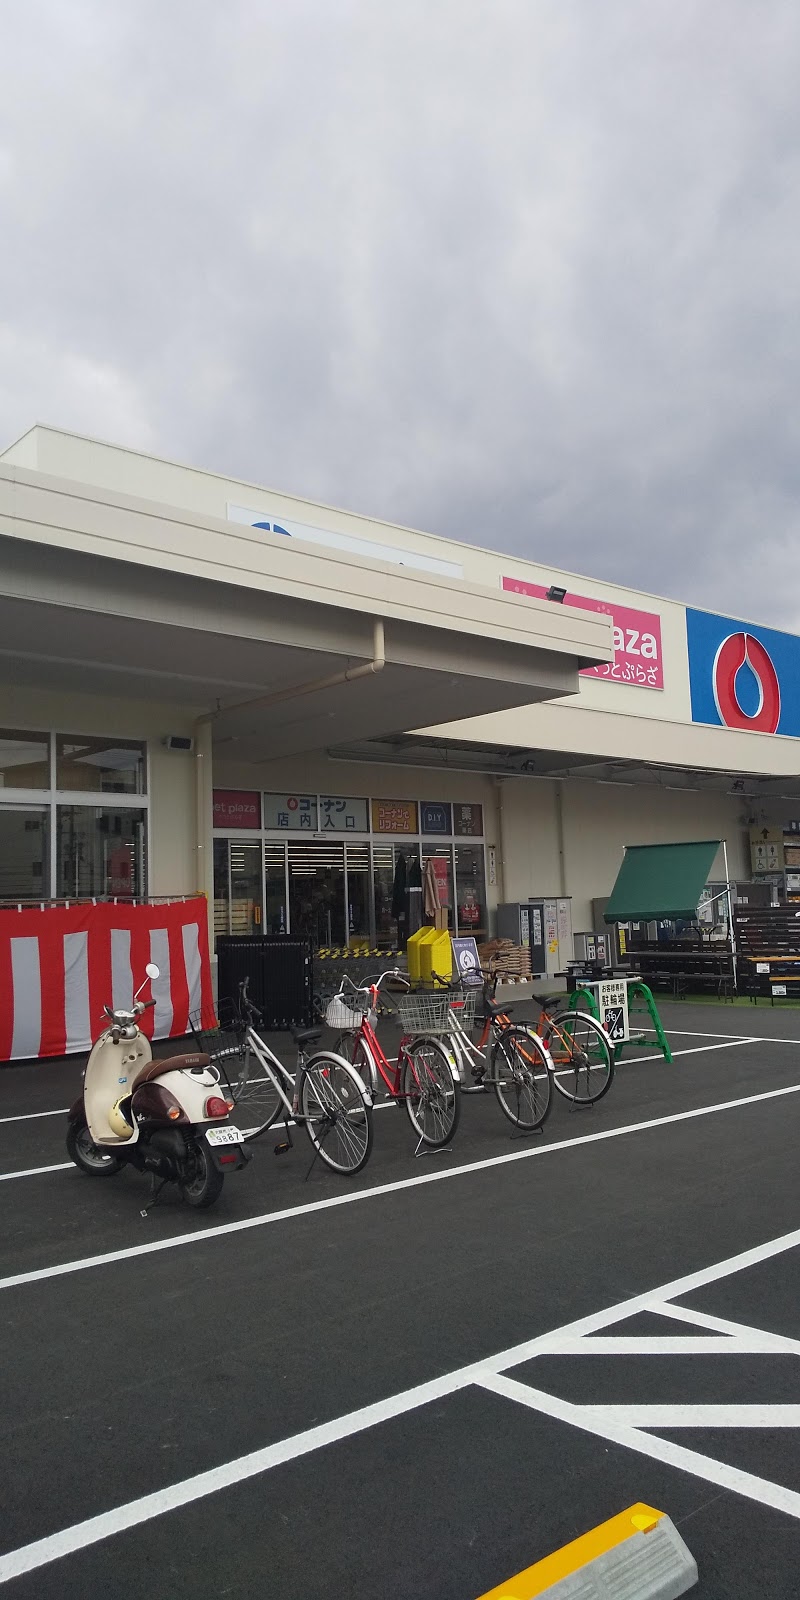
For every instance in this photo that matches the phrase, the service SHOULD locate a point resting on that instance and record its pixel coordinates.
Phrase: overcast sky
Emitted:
(523, 272)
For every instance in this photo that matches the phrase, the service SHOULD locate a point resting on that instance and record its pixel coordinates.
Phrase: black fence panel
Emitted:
(280, 969)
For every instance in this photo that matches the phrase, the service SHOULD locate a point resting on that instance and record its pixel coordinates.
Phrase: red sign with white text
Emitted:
(237, 808)
(637, 638)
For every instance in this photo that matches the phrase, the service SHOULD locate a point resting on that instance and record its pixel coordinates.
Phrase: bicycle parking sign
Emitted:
(612, 1004)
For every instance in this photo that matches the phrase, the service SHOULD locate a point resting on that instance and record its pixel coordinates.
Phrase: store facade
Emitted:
(208, 686)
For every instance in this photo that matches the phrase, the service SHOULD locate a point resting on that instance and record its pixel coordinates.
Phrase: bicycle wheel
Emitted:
(431, 1093)
(582, 1056)
(521, 1078)
(336, 1110)
(256, 1099)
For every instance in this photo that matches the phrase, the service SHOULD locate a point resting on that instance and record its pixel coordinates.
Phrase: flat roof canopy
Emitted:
(284, 648)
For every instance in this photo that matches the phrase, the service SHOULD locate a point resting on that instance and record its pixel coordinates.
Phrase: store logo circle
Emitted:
(743, 650)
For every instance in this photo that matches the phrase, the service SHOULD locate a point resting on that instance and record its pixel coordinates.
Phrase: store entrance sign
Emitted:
(638, 660)
(294, 813)
(338, 815)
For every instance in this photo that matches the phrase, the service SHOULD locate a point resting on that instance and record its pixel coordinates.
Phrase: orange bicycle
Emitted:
(577, 1048)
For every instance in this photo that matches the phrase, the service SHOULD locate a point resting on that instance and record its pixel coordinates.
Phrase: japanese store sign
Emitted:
(468, 821)
(237, 808)
(295, 812)
(337, 815)
(394, 816)
(637, 638)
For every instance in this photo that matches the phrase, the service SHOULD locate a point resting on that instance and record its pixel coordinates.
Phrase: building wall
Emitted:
(172, 851)
(521, 820)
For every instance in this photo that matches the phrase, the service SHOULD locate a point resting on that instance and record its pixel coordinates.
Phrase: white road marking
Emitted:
(704, 1344)
(693, 1050)
(33, 1172)
(699, 1416)
(647, 1444)
(31, 1116)
(354, 1197)
(701, 1319)
(488, 1374)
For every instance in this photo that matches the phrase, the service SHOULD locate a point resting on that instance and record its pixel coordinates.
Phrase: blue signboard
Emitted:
(436, 817)
(742, 675)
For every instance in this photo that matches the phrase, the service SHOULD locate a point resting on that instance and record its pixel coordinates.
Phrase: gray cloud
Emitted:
(521, 273)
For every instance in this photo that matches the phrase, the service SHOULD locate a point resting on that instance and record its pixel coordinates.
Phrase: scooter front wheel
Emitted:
(91, 1158)
(201, 1182)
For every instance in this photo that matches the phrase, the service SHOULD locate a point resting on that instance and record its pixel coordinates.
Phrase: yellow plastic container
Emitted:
(436, 955)
(413, 953)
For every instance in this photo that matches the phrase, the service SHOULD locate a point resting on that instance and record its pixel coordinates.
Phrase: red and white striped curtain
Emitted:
(60, 966)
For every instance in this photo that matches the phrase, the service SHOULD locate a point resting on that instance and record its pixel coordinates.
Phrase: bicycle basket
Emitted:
(435, 1013)
(224, 1041)
(345, 1012)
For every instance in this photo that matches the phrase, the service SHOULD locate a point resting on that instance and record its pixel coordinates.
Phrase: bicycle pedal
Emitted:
(280, 1149)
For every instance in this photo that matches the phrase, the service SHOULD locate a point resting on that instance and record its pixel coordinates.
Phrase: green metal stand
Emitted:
(636, 991)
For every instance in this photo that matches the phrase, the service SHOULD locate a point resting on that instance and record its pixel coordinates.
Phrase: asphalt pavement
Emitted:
(420, 1381)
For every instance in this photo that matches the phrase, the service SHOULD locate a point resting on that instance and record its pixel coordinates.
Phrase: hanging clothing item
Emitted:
(414, 895)
(399, 890)
(432, 898)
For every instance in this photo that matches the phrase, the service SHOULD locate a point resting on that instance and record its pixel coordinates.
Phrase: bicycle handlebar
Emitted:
(249, 1005)
(375, 983)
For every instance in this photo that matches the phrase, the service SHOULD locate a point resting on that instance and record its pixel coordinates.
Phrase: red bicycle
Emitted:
(422, 1078)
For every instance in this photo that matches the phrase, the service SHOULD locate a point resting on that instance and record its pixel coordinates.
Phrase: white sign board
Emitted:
(612, 1003)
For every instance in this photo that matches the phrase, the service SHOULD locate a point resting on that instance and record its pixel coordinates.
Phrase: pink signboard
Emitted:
(637, 638)
(237, 808)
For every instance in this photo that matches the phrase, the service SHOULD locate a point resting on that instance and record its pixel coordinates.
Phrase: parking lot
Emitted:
(419, 1382)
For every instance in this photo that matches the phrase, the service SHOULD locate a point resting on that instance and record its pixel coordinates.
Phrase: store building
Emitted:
(209, 685)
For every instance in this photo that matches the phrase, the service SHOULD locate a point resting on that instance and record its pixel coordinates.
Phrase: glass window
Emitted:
(295, 812)
(24, 760)
(358, 896)
(383, 868)
(221, 887)
(104, 766)
(275, 874)
(316, 891)
(245, 887)
(442, 854)
(101, 851)
(471, 890)
(24, 854)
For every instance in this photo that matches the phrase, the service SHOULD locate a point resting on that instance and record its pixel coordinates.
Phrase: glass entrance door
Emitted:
(24, 852)
(238, 887)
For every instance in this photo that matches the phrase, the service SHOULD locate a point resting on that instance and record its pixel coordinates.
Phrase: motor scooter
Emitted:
(167, 1117)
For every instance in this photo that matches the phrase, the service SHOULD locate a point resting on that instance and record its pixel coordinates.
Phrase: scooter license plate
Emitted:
(227, 1135)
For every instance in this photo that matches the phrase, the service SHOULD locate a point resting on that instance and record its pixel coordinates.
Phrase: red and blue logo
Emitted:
(743, 677)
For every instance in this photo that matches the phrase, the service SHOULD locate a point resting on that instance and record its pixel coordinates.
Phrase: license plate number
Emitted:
(227, 1135)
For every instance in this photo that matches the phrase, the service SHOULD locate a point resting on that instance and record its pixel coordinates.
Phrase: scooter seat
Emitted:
(154, 1069)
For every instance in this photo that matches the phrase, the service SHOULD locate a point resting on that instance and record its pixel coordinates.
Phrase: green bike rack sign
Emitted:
(620, 1004)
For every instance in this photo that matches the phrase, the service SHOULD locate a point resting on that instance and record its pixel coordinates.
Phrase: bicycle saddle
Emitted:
(306, 1035)
(494, 1010)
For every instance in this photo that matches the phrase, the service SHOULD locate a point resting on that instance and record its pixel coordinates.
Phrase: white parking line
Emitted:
(355, 1197)
(31, 1116)
(33, 1172)
(490, 1374)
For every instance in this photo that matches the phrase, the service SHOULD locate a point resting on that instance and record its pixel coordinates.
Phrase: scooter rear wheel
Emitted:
(88, 1156)
(203, 1182)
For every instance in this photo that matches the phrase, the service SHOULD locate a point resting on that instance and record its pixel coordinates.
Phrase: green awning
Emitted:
(659, 882)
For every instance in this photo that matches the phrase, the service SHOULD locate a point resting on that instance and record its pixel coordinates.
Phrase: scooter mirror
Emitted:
(152, 970)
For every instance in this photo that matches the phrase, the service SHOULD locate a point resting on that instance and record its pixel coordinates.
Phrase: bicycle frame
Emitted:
(276, 1070)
